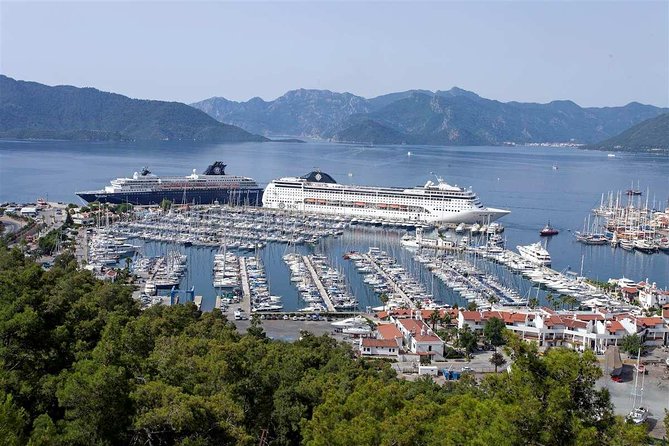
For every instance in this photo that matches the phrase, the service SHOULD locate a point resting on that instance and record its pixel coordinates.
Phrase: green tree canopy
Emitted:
(494, 331)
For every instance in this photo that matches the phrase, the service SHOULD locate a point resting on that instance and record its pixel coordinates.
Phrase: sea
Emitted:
(537, 184)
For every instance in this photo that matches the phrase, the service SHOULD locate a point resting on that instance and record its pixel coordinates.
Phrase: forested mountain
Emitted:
(452, 117)
(81, 364)
(33, 110)
(649, 135)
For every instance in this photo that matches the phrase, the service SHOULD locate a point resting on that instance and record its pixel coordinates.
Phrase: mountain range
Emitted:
(452, 117)
(650, 135)
(32, 110)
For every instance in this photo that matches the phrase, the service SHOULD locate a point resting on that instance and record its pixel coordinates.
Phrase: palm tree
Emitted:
(384, 300)
(551, 300)
(434, 318)
(533, 302)
(446, 319)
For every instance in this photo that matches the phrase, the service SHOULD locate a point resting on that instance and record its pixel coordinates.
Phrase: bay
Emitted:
(521, 179)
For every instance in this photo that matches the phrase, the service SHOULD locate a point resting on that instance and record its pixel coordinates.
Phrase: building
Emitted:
(419, 338)
(593, 330)
(379, 347)
(28, 211)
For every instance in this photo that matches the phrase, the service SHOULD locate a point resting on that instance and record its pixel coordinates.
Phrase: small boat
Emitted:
(638, 415)
(633, 192)
(548, 230)
(611, 155)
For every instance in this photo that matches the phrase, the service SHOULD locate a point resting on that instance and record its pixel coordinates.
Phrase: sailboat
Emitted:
(638, 414)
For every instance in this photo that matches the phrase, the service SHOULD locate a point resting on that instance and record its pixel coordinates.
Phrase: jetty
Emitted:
(396, 288)
(319, 285)
(246, 288)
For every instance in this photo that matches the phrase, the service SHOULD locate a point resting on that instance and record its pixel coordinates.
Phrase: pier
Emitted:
(246, 289)
(324, 294)
(396, 288)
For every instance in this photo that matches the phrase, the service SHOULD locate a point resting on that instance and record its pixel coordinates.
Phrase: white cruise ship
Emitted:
(437, 202)
(535, 253)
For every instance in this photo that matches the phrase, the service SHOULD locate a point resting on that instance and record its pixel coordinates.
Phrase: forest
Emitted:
(81, 364)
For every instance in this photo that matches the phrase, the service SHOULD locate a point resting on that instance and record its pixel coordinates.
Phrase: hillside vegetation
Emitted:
(649, 135)
(80, 364)
(32, 110)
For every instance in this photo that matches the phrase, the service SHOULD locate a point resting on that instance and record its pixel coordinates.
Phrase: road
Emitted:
(11, 225)
(655, 394)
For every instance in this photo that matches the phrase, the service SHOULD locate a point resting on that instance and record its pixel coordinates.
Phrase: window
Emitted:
(429, 348)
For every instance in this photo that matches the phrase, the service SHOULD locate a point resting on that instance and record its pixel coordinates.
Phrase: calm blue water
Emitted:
(519, 179)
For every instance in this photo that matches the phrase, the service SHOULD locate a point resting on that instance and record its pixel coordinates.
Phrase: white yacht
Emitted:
(535, 253)
(433, 202)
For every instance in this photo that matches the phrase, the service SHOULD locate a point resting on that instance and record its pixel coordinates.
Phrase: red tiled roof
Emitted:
(388, 331)
(589, 317)
(574, 323)
(471, 316)
(386, 343)
(629, 290)
(414, 325)
(649, 321)
(426, 338)
(614, 326)
(553, 320)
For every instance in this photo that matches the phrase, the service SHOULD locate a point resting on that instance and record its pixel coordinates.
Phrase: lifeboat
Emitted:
(359, 204)
(309, 201)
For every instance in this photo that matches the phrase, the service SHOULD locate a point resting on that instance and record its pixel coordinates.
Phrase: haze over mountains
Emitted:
(649, 135)
(32, 110)
(453, 117)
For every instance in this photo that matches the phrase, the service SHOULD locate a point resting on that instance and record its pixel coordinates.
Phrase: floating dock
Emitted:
(246, 289)
(396, 288)
(321, 289)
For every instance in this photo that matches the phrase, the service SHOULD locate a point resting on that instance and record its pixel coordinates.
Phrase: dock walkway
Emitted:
(246, 289)
(317, 280)
(396, 288)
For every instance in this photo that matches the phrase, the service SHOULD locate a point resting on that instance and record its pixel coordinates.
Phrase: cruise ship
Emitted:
(535, 253)
(213, 186)
(432, 203)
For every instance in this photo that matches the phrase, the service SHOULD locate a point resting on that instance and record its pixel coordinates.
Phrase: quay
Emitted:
(324, 294)
(396, 288)
(246, 289)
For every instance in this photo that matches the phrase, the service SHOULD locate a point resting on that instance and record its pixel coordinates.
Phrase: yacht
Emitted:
(535, 253)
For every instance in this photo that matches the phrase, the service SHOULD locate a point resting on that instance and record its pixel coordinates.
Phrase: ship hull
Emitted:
(249, 197)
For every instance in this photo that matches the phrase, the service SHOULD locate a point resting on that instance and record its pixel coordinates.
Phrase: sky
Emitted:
(595, 53)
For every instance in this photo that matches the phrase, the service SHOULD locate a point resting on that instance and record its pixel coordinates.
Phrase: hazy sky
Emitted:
(595, 53)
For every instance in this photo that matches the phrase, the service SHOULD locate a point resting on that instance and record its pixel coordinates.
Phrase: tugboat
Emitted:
(548, 230)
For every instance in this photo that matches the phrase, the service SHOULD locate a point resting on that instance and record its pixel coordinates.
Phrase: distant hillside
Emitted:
(372, 132)
(649, 135)
(32, 110)
(452, 117)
